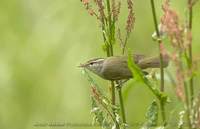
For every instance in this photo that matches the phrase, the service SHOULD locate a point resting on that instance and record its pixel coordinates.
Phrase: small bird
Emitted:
(116, 67)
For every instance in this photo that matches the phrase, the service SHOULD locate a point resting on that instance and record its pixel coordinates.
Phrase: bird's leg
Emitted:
(120, 83)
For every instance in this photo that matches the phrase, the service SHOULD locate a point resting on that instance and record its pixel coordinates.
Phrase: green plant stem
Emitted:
(113, 90)
(122, 105)
(162, 108)
(110, 36)
(109, 14)
(186, 94)
(162, 88)
(119, 88)
(113, 94)
(159, 42)
(190, 52)
(124, 44)
(161, 62)
(187, 105)
(113, 102)
(190, 61)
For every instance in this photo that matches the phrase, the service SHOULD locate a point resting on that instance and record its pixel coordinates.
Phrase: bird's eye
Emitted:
(92, 63)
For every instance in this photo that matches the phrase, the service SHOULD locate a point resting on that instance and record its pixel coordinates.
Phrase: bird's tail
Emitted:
(153, 62)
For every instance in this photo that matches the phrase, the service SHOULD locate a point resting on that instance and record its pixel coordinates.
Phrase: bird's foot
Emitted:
(120, 83)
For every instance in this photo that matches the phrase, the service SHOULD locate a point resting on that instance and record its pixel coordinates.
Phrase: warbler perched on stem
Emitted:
(116, 67)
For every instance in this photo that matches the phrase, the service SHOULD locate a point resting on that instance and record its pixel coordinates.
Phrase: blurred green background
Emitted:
(41, 44)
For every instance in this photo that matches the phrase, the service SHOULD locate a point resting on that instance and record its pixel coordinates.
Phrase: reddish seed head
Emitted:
(170, 25)
(115, 9)
(131, 18)
(85, 2)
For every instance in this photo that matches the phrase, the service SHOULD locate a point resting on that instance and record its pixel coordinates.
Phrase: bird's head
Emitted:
(95, 65)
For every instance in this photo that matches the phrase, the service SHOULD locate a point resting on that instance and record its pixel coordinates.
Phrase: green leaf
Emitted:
(137, 73)
(98, 114)
(139, 76)
(151, 116)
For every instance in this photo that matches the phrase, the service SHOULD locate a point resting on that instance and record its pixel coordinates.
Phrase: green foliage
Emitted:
(139, 76)
(101, 106)
(181, 119)
(151, 116)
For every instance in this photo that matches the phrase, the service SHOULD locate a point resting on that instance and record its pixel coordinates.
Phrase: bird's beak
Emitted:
(81, 66)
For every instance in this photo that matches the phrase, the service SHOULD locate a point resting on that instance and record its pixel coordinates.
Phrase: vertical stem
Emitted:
(109, 14)
(190, 13)
(110, 27)
(124, 45)
(122, 105)
(113, 102)
(187, 105)
(191, 86)
(159, 42)
(161, 61)
(186, 95)
(110, 49)
(154, 18)
(190, 51)
(162, 108)
(162, 88)
(113, 93)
